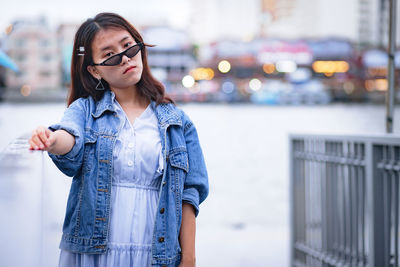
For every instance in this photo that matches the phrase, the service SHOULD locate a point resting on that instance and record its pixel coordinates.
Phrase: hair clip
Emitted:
(82, 50)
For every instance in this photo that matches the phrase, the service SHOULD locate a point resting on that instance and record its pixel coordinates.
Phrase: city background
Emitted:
(247, 72)
(264, 52)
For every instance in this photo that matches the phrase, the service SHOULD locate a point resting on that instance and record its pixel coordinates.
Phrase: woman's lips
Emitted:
(129, 69)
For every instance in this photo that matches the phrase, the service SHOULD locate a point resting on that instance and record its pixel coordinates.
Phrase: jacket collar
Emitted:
(105, 103)
(167, 114)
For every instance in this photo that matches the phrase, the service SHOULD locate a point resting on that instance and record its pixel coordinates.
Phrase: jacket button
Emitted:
(163, 183)
(167, 157)
(162, 210)
(164, 265)
(161, 239)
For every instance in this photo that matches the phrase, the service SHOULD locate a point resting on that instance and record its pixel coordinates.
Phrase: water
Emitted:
(245, 219)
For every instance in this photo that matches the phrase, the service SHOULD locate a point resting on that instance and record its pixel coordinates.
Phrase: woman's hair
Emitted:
(83, 83)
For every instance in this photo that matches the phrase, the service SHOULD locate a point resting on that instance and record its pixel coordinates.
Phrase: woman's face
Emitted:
(109, 42)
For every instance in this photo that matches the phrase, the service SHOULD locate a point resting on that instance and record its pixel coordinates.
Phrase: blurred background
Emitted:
(248, 73)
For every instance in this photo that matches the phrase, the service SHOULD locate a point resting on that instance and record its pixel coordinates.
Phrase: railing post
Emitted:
(291, 203)
(375, 207)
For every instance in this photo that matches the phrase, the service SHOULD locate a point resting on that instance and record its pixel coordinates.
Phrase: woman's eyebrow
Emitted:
(111, 46)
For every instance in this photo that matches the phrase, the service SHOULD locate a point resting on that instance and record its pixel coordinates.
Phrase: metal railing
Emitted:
(33, 194)
(344, 200)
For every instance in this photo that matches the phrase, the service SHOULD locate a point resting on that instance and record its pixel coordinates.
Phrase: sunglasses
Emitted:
(117, 59)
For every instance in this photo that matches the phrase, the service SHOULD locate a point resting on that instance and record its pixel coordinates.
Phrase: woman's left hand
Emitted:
(187, 262)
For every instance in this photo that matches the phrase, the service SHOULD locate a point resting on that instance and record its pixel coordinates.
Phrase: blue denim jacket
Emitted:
(90, 162)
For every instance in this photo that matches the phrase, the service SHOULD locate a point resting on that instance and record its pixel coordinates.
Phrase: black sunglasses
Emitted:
(116, 59)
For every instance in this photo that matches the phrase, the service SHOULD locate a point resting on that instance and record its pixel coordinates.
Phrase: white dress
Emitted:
(138, 166)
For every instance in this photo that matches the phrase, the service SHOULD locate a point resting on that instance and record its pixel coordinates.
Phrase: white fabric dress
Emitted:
(138, 166)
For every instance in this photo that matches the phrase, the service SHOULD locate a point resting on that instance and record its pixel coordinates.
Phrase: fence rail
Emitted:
(344, 200)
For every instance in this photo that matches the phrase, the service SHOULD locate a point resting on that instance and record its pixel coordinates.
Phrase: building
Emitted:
(173, 54)
(33, 47)
(382, 25)
(220, 20)
(309, 18)
(364, 22)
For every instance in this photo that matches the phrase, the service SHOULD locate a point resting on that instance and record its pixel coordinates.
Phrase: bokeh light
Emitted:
(228, 87)
(26, 90)
(269, 68)
(330, 66)
(255, 84)
(286, 66)
(8, 29)
(188, 81)
(202, 74)
(224, 66)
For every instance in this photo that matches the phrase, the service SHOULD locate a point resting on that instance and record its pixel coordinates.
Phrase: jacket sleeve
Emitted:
(73, 121)
(195, 188)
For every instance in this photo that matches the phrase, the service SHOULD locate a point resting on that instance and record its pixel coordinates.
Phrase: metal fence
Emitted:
(33, 196)
(344, 200)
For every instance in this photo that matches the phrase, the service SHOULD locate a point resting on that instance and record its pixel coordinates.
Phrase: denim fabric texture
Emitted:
(95, 126)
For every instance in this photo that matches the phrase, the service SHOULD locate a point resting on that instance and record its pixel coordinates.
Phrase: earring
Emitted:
(100, 86)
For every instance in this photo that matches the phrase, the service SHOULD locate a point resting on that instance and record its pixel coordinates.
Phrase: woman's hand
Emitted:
(42, 139)
(187, 262)
(58, 142)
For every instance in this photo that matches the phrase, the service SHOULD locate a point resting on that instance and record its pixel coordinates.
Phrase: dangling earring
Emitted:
(100, 86)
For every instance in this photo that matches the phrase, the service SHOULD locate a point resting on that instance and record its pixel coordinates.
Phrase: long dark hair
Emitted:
(83, 83)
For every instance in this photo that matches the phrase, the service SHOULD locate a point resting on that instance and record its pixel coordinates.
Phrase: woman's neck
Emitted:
(129, 97)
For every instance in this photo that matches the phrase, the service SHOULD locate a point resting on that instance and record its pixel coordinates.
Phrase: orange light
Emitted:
(26, 90)
(269, 68)
(330, 66)
(202, 74)
(376, 85)
(8, 29)
(381, 84)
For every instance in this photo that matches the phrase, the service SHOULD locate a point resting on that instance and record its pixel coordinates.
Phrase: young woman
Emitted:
(138, 170)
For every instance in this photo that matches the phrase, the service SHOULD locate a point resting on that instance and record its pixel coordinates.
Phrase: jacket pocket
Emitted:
(179, 160)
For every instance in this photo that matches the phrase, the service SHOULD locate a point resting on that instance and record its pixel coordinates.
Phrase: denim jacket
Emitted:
(95, 128)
